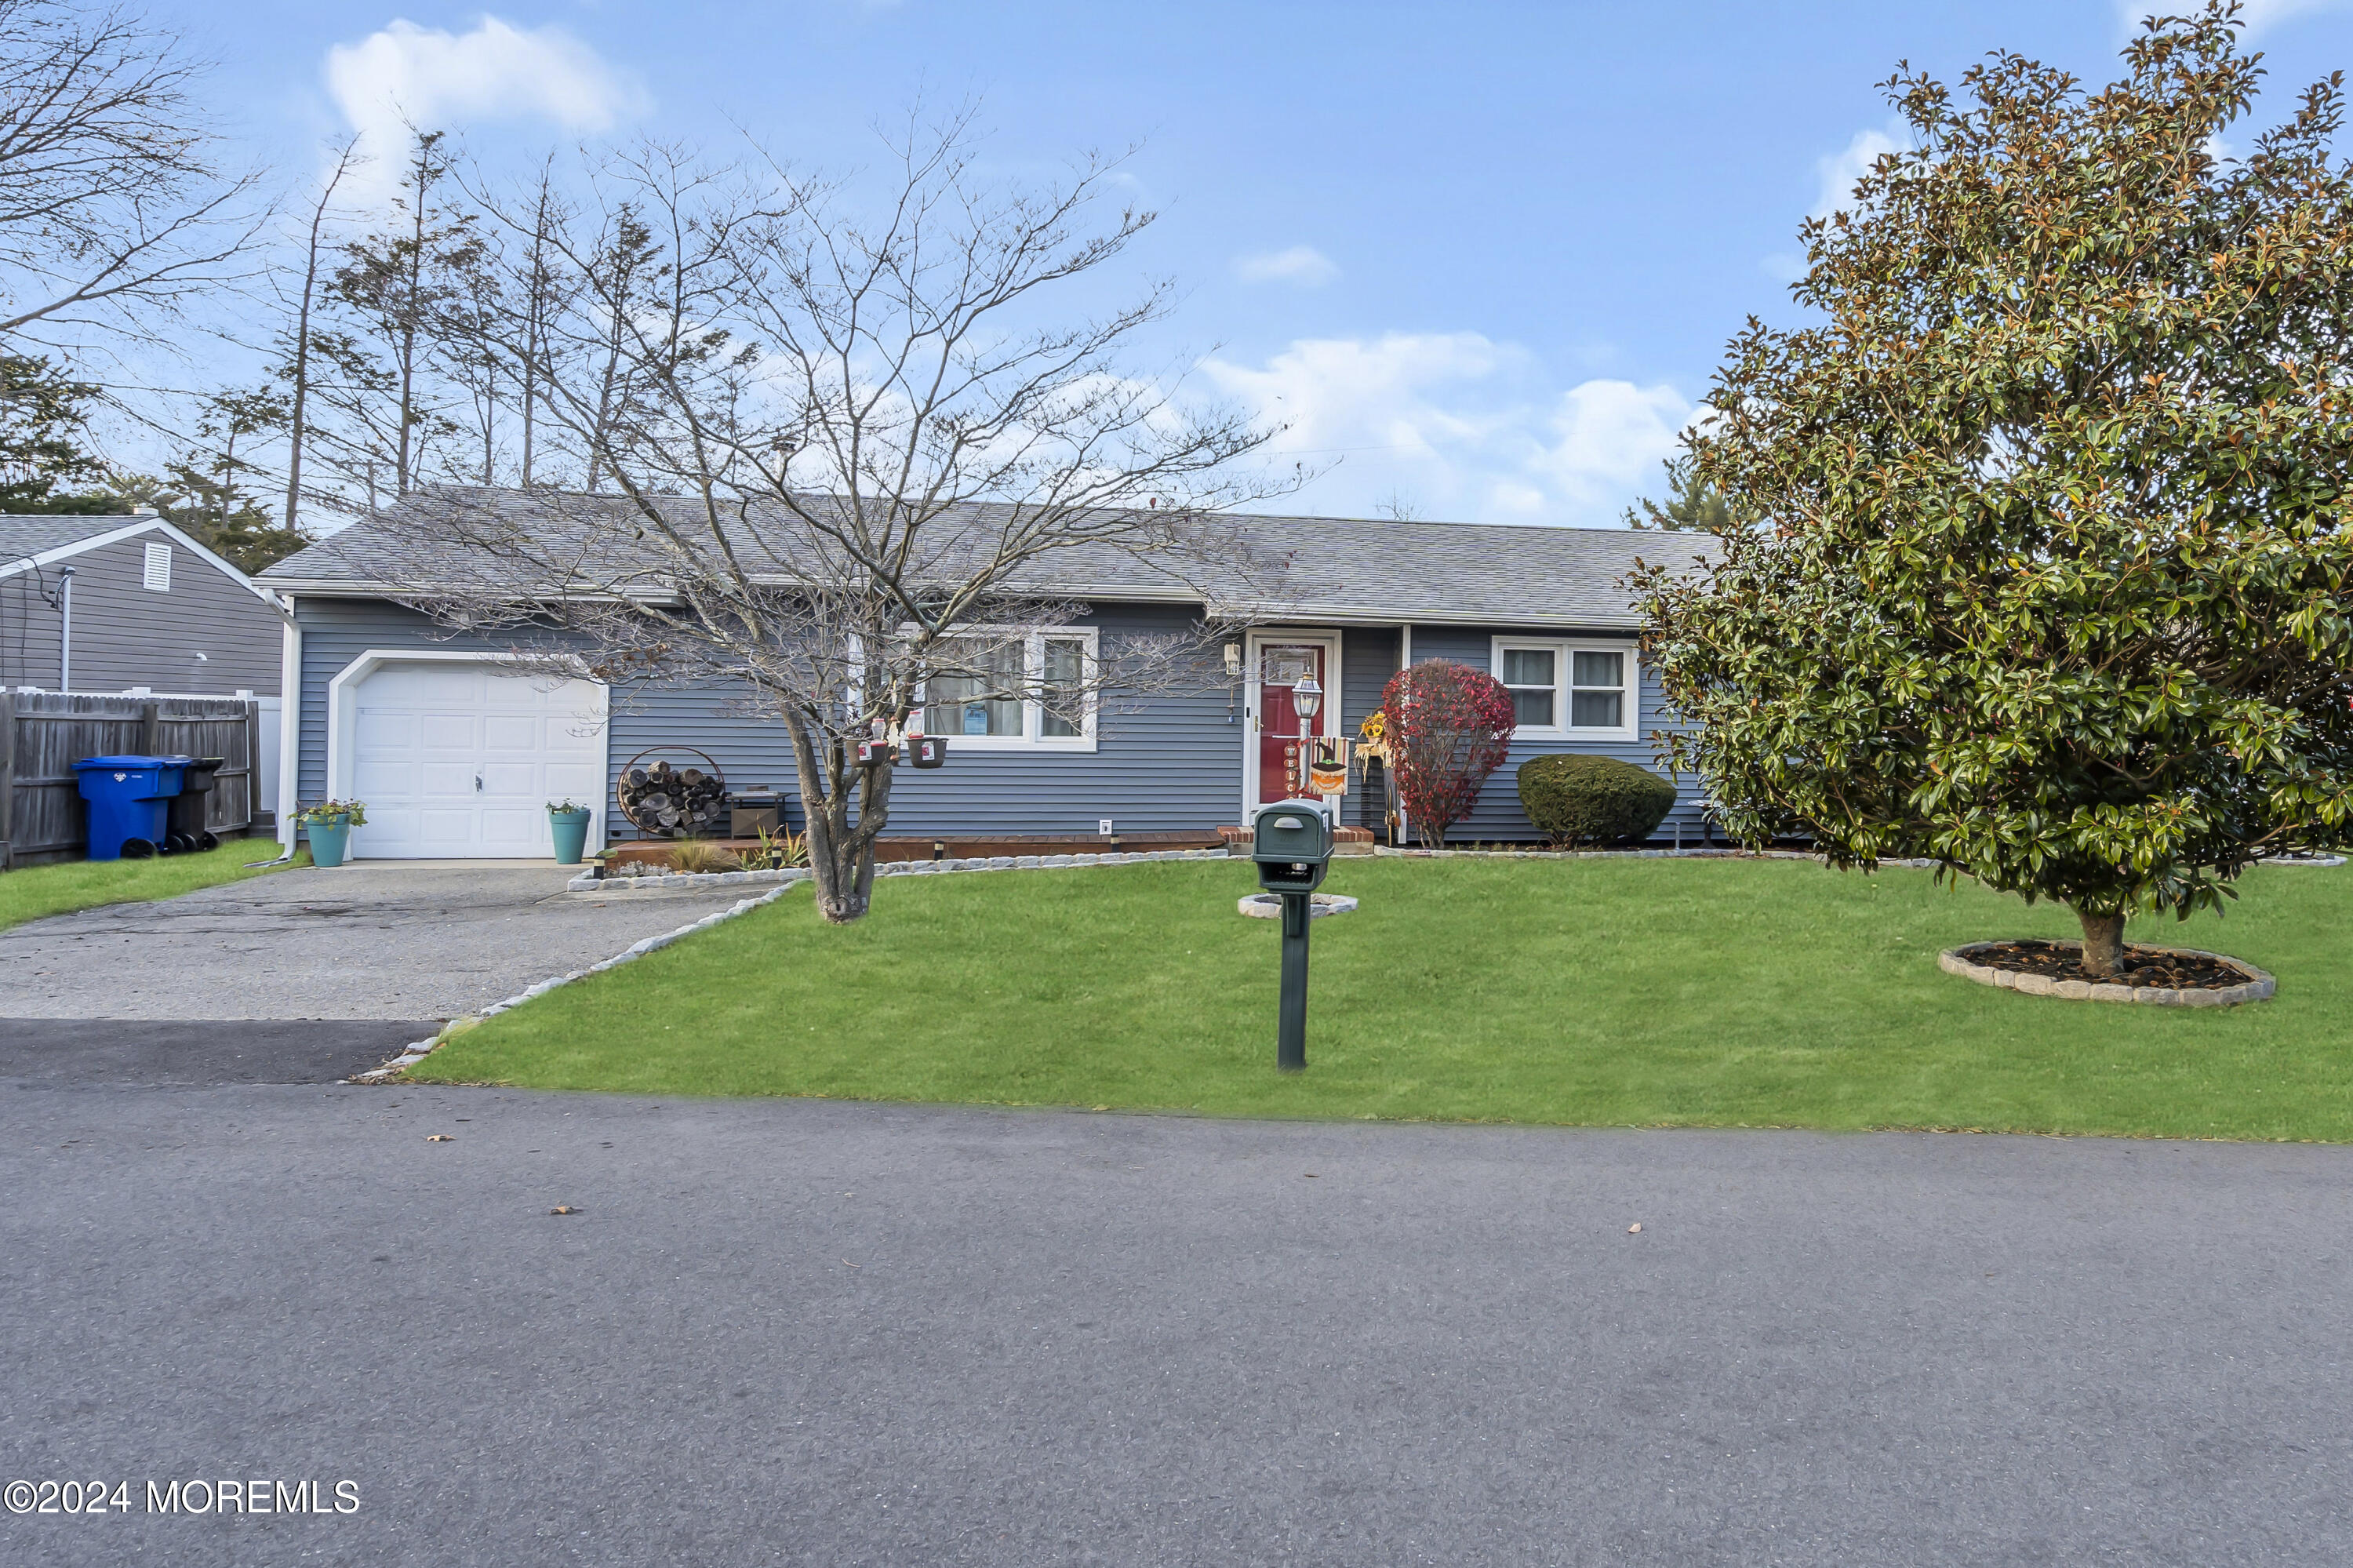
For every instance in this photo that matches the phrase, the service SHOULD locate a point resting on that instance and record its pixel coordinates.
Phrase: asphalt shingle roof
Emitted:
(24, 534)
(1336, 569)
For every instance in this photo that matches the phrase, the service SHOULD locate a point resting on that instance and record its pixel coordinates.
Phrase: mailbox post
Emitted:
(1291, 842)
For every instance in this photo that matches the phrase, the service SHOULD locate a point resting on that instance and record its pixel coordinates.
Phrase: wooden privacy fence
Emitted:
(46, 733)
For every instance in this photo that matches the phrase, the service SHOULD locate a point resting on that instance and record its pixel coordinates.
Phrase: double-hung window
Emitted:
(1560, 689)
(1000, 690)
(978, 692)
(1532, 675)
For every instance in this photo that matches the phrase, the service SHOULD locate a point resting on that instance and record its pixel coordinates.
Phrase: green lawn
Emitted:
(1605, 991)
(33, 891)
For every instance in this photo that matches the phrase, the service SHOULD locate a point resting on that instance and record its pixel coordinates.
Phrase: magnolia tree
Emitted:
(2038, 562)
(855, 452)
(1447, 727)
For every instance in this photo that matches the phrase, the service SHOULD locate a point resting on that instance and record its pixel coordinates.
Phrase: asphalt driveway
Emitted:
(383, 950)
(820, 1334)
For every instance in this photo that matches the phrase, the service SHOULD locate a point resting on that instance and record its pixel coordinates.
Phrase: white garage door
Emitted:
(461, 759)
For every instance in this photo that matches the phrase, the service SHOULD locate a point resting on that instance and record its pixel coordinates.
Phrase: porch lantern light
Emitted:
(1306, 697)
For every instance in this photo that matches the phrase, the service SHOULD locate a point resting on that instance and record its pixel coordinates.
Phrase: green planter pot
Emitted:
(570, 831)
(330, 841)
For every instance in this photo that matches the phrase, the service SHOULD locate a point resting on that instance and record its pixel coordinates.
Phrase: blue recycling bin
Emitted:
(128, 797)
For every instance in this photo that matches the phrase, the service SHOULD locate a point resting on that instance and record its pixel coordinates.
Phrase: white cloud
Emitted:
(404, 74)
(1612, 435)
(1463, 428)
(1839, 170)
(2258, 15)
(1835, 174)
(1301, 264)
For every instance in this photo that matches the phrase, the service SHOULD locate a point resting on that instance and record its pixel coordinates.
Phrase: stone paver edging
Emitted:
(635, 950)
(2258, 986)
(1385, 850)
(1269, 906)
(784, 882)
(680, 882)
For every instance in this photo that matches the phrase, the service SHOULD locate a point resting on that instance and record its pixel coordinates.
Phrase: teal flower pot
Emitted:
(330, 841)
(570, 831)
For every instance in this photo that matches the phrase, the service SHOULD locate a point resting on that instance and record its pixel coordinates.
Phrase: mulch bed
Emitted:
(2142, 966)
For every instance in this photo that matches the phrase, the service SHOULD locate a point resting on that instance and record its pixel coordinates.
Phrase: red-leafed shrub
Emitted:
(1448, 727)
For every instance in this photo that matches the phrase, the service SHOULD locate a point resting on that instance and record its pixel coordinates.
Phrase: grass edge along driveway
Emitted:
(35, 892)
(1608, 993)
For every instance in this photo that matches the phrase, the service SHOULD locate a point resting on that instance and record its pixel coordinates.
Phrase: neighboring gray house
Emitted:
(456, 756)
(117, 603)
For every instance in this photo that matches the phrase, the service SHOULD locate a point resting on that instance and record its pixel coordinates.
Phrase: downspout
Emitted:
(65, 629)
(289, 731)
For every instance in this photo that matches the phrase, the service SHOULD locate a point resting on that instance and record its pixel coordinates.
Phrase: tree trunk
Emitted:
(296, 428)
(841, 858)
(2103, 942)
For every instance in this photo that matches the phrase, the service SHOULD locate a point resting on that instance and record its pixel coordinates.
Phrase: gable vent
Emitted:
(159, 568)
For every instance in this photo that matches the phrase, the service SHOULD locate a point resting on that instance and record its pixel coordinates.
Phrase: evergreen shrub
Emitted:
(1574, 799)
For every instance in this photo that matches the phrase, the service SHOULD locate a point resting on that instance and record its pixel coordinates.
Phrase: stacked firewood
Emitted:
(675, 802)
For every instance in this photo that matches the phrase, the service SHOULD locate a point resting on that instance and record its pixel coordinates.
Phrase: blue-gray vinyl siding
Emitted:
(1162, 762)
(1498, 816)
(1167, 761)
(205, 635)
(1368, 658)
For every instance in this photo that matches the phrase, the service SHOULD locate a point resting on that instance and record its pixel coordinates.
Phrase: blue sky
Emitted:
(1482, 257)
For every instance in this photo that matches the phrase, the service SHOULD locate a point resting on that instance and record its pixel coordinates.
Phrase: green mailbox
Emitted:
(1292, 841)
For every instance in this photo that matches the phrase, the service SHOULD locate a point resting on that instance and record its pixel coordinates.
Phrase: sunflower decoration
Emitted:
(1372, 742)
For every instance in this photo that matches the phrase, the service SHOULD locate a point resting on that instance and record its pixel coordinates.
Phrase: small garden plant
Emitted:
(776, 852)
(700, 857)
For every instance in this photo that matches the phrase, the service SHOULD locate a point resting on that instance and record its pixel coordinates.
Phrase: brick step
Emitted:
(1344, 841)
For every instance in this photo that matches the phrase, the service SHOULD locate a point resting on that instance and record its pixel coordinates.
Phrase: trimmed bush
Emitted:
(1581, 799)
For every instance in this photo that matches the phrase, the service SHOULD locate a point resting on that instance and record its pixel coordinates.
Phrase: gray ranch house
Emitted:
(457, 754)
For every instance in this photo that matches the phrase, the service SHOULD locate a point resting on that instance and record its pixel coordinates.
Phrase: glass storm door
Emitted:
(1282, 666)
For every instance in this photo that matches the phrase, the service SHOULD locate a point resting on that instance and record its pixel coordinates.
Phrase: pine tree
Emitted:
(43, 422)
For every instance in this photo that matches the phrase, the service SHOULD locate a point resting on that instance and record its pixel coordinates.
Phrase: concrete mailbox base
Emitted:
(1269, 906)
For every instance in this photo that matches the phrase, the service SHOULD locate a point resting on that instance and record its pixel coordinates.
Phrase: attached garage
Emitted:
(459, 756)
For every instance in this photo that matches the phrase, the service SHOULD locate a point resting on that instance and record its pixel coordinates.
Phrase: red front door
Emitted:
(1282, 775)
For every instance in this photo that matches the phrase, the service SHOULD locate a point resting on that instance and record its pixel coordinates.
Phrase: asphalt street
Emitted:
(815, 1332)
(62, 1053)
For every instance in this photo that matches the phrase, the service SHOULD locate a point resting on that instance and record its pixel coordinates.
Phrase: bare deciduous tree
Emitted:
(381, 359)
(298, 359)
(111, 209)
(864, 462)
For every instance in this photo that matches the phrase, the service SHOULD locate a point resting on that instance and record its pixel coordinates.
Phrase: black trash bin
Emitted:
(183, 828)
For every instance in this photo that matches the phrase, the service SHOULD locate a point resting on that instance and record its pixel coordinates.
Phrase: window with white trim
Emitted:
(1066, 708)
(1002, 691)
(158, 578)
(1561, 688)
(1532, 675)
